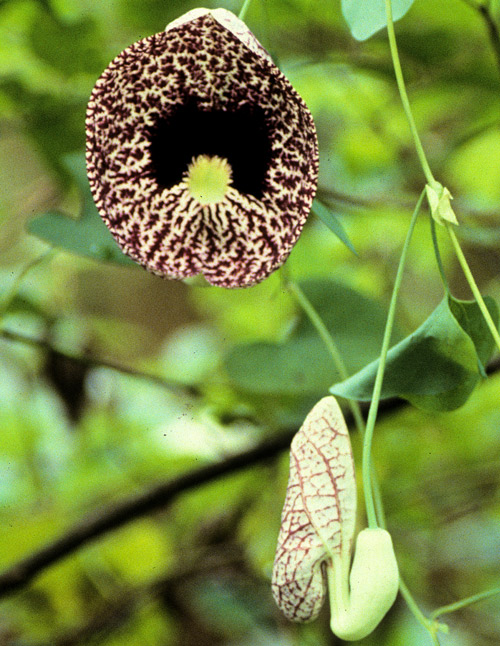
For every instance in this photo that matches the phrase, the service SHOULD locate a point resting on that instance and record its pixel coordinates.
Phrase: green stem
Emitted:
(430, 625)
(330, 344)
(339, 364)
(437, 253)
(11, 292)
(377, 388)
(473, 286)
(464, 602)
(244, 9)
(404, 96)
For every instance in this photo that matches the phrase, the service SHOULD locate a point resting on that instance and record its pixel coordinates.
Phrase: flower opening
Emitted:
(208, 179)
(204, 89)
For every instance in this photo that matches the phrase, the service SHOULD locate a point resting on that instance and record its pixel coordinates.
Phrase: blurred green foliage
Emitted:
(77, 435)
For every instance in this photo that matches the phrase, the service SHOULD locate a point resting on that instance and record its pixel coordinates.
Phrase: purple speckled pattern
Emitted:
(203, 64)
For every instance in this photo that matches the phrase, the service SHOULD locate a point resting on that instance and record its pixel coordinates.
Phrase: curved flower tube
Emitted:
(201, 157)
(317, 528)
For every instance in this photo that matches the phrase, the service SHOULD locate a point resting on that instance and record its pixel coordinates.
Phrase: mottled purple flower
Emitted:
(201, 157)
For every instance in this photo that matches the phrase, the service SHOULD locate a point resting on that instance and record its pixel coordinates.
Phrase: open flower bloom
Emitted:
(316, 536)
(201, 157)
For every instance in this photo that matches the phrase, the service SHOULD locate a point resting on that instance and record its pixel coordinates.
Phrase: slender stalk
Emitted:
(11, 292)
(339, 364)
(377, 388)
(244, 9)
(437, 254)
(473, 286)
(431, 626)
(452, 607)
(330, 344)
(404, 96)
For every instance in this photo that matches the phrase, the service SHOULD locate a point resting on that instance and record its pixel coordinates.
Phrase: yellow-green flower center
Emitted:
(208, 179)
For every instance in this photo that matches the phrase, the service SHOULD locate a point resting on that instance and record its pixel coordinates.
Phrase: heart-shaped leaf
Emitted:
(438, 366)
(301, 365)
(86, 236)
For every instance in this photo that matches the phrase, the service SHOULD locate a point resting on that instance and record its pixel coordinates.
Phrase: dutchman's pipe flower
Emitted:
(317, 530)
(201, 157)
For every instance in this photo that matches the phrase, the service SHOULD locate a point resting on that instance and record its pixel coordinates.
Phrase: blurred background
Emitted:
(113, 381)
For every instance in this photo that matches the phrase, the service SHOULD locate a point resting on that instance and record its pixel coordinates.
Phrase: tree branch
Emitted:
(493, 31)
(113, 517)
(491, 25)
(97, 362)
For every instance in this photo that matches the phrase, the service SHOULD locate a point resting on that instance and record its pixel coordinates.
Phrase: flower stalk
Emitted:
(377, 388)
(244, 9)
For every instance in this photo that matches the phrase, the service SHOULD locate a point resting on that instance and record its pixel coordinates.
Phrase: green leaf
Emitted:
(366, 17)
(470, 318)
(301, 365)
(297, 367)
(70, 47)
(86, 236)
(332, 222)
(438, 366)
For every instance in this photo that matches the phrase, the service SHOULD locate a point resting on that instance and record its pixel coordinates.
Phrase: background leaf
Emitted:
(301, 365)
(86, 236)
(438, 366)
(328, 217)
(366, 17)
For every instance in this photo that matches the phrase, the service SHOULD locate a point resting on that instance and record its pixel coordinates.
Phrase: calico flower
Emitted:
(315, 543)
(201, 157)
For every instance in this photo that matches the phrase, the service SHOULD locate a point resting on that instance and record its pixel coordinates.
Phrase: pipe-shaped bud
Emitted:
(317, 528)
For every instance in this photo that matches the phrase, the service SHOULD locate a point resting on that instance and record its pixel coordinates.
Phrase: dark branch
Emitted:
(493, 31)
(111, 518)
(97, 362)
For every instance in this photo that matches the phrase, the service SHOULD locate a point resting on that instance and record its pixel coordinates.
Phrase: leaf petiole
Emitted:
(330, 344)
(437, 254)
(473, 286)
(463, 603)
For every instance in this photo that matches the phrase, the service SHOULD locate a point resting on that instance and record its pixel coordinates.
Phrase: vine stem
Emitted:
(452, 607)
(12, 291)
(330, 344)
(244, 9)
(428, 173)
(404, 96)
(473, 286)
(431, 625)
(339, 364)
(377, 388)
